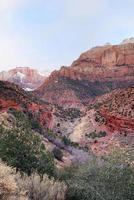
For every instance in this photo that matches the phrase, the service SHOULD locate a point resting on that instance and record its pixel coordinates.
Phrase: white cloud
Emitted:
(7, 5)
(53, 32)
(84, 8)
(11, 44)
(12, 50)
(16, 46)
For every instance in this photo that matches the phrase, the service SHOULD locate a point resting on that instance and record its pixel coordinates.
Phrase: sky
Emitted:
(47, 34)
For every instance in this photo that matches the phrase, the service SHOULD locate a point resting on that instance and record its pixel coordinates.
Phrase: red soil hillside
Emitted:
(12, 96)
(94, 73)
(118, 110)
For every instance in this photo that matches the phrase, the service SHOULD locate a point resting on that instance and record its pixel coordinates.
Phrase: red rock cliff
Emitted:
(95, 72)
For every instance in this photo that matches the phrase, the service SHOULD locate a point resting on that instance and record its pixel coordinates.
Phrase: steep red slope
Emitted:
(12, 96)
(115, 115)
(25, 77)
(118, 110)
(94, 73)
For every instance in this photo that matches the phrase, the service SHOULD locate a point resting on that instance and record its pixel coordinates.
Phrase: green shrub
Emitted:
(94, 134)
(102, 134)
(57, 153)
(66, 140)
(50, 133)
(66, 173)
(27, 119)
(109, 180)
(21, 148)
(35, 125)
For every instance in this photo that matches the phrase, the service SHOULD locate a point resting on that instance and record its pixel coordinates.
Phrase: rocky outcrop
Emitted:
(95, 72)
(109, 55)
(27, 78)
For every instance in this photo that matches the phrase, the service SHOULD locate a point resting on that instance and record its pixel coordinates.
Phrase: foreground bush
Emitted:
(15, 187)
(112, 179)
(47, 189)
(57, 153)
(8, 186)
(23, 149)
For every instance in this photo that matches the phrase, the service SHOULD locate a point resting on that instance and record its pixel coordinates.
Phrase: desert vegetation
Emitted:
(22, 148)
(111, 178)
(107, 178)
(15, 187)
(29, 172)
(94, 134)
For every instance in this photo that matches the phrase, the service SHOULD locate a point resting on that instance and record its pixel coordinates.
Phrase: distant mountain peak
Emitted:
(26, 77)
(107, 44)
(128, 40)
(20, 76)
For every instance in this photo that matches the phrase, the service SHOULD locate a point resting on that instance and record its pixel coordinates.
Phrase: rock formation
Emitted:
(95, 72)
(27, 78)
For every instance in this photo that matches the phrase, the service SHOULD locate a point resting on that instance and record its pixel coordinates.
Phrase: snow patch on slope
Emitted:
(20, 76)
(28, 89)
(128, 40)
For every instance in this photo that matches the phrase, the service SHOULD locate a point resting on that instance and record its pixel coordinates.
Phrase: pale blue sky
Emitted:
(46, 34)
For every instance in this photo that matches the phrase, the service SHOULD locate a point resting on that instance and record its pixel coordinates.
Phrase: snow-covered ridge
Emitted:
(44, 73)
(128, 40)
(26, 77)
(20, 75)
(28, 89)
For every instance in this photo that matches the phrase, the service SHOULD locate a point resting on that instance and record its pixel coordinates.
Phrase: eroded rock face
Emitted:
(27, 78)
(109, 55)
(94, 73)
